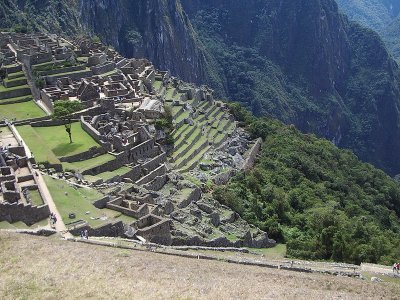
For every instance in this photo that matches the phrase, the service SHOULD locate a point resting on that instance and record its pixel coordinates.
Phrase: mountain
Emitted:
(375, 14)
(382, 16)
(300, 61)
(392, 37)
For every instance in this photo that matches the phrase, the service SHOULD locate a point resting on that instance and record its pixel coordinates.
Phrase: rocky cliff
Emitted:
(156, 29)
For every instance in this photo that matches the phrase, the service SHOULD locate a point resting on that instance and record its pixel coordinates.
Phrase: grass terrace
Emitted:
(16, 100)
(20, 111)
(72, 72)
(118, 172)
(54, 65)
(15, 75)
(112, 72)
(22, 225)
(49, 143)
(157, 85)
(4, 89)
(69, 199)
(81, 166)
(36, 198)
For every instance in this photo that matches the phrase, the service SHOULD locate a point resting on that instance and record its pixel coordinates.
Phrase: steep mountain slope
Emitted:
(302, 62)
(298, 60)
(44, 15)
(391, 35)
(375, 14)
(382, 16)
(156, 29)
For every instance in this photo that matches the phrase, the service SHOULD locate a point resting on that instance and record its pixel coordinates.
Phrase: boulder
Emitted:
(205, 207)
(214, 219)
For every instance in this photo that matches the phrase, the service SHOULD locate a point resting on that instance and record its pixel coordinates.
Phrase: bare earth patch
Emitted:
(49, 268)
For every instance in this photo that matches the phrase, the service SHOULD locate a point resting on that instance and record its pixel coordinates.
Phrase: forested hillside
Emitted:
(383, 16)
(322, 201)
(375, 14)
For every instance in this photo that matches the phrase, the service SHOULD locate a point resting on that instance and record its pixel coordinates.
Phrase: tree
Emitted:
(63, 110)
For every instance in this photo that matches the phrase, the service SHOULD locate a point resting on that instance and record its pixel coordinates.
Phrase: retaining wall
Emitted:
(25, 213)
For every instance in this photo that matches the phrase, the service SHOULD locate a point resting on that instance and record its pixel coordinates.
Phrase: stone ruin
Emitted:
(21, 197)
(122, 99)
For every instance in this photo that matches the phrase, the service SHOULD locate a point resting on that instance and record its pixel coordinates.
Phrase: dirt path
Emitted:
(59, 226)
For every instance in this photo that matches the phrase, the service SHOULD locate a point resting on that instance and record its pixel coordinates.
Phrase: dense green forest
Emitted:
(320, 200)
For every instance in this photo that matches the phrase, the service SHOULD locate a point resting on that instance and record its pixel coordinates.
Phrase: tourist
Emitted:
(396, 268)
(86, 234)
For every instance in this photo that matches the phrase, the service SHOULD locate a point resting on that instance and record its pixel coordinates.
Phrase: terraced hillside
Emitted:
(16, 100)
(201, 125)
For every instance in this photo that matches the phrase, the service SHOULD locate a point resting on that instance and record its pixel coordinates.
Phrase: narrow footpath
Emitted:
(59, 226)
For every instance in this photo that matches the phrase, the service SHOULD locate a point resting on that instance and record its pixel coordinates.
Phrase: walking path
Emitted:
(59, 226)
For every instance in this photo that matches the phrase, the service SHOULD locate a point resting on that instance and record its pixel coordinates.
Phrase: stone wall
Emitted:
(194, 196)
(115, 229)
(141, 150)
(108, 166)
(62, 71)
(90, 130)
(25, 213)
(13, 69)
(223, 178)
(15, 93)
(155, 162)
(92, 152)
(97, 70)
(38, 58)
(26, 99)
(157, 183)
(149, 177)
(101, 203)
(250, 160)
(50, 122)
(154, 229)
(141, 211)
(193, 154)
(52, 80)
(15, 82)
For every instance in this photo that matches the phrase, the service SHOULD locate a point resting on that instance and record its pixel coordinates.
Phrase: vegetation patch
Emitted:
(81, 166)
(48, 143)
(21, 111)
(71, 199)
(322, 201)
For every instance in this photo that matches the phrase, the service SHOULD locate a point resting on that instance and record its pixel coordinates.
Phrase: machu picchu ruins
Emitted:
(147, 146)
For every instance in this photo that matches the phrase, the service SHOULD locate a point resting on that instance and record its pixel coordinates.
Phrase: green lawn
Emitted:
(70, 73)
(84, 165)
(108, 175)
(48, 143)
(21, 111)
(8, 80)
(6, 100)
(36, 198)
(69, 199)
(15, 75)
(157, 84)
(109, 73)
(277, 252)
(22, 225)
